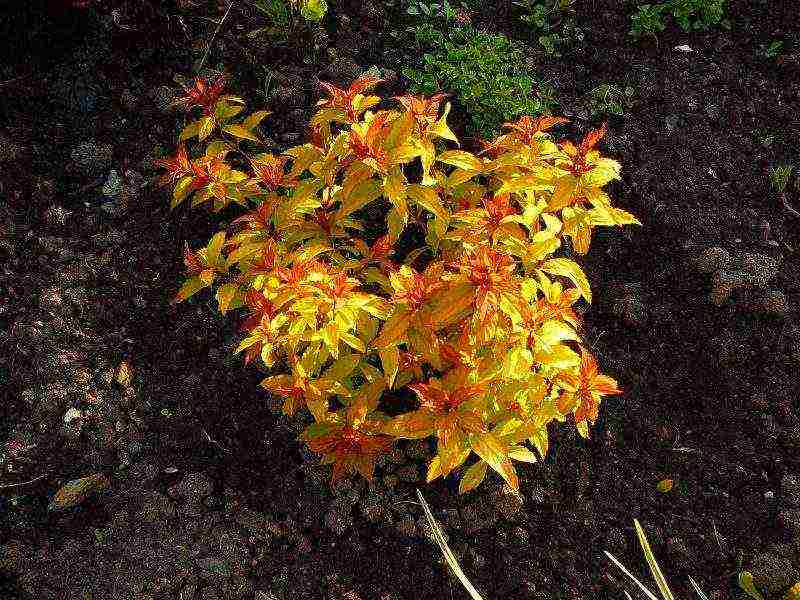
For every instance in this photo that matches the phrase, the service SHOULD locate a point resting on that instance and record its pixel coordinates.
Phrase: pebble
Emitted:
(788, 521)
(790, 490)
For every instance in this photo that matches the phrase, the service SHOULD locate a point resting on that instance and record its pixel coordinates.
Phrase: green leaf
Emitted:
(313, 10)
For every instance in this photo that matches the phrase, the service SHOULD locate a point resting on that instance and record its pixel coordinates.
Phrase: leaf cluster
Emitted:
(477, 322)
(552, 22)
(488, 74)
(691, 15)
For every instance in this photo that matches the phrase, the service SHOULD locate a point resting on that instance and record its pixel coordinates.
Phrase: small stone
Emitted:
(773, 302)
(337, 522)
(163, 96)
(193, 488)
(790, 490)
(508, 503)
(788, 521)
(51, 299)
(407, 527)
(724, 282)
(712, 259)
(761, 267)
(408, 474)
(91, 157)
(679, 552)
(56, 215)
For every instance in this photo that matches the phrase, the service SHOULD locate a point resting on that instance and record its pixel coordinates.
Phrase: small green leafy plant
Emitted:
(690, 15)
(551, 23)
(488, 74)
(610, 99)
(282, 16)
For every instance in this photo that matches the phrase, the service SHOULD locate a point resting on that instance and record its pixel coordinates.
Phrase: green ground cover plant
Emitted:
(690, 15)
(487, 72)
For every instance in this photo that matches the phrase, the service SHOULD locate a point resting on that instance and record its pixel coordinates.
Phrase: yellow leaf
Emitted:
(255, 119)
(428, 198)
(390, 360)
(395, 186)
(664, 486)
(124, 374)
(522, 454)
(190, 287)
(540, 441)
(396, 222)
(364, 193)
(793, 593)
(569, 269)
(603, 171)
(434, 469)
(563, 194)
(189, 131)
(461, 159)
(225, 295)
(448, 305)
(394, 330)
(240, 132)
(746, 583)
(182, 189)
(214, 248)
(517, 363)
(490, 449)
(440, 128)
(400, 130)
(206, 127)
(76, 491)
(472, 477)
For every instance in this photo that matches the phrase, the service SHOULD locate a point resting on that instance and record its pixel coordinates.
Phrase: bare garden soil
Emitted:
(210, 496)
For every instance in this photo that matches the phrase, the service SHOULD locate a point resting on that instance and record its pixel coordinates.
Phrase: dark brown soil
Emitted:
(712, 392)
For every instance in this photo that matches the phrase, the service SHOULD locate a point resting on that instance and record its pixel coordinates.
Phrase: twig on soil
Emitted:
(6, 486)
(213, 441)
(717, 536)
(788, 207)
(10, 81)
(213, 37)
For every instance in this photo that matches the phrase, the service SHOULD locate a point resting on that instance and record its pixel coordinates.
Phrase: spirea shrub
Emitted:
(476, 321)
